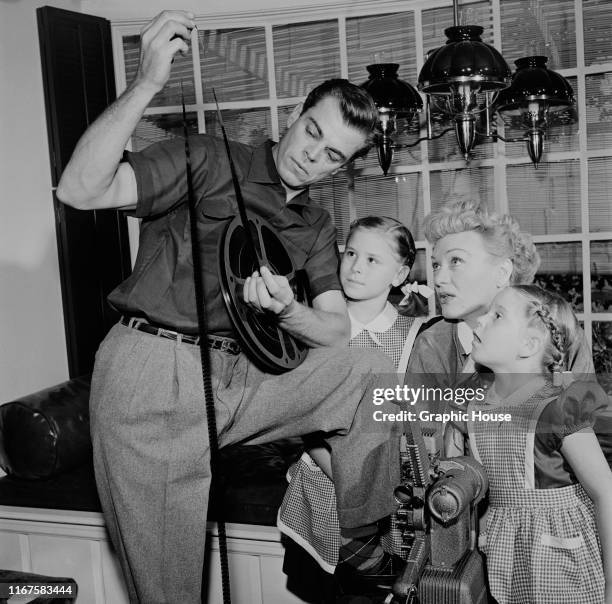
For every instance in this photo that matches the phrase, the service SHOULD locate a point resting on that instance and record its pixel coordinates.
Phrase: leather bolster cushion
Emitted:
(46, 433)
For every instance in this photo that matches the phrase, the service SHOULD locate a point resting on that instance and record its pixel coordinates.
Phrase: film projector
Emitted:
(439, 520)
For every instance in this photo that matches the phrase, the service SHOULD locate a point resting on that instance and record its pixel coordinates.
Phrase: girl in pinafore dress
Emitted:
(549, 523)
(379, 254)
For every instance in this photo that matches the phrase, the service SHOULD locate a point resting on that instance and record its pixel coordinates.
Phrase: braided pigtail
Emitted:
(553, 315)
(559, 348)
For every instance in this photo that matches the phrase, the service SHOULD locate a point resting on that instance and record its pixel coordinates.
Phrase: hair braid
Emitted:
(550, 312)
(557, 337)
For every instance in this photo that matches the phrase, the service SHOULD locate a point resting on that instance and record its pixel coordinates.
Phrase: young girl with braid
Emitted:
(549, 523)
(379, 254)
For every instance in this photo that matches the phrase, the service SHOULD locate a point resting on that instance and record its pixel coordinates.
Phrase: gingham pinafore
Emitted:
(541, 544)
(308, 513)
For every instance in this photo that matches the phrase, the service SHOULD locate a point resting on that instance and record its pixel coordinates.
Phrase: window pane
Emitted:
(332, 194)
(181, 74)
(467, 184)
(398, 196)
(561, 271)
(155, 128)
(446, 148)
(410, 203)
(419, 270)
(601, 276)
(602, 353)
(545, 200)
(251, 126)
(436, 20)
(385, 39)
(283, 116)
(234, 63)
(599, 110)
(597, 16)
(600, 185)
(546, 27)
(381, 39)
(305, 54)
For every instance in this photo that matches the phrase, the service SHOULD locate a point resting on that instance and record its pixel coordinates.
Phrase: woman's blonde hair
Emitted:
(502, 235)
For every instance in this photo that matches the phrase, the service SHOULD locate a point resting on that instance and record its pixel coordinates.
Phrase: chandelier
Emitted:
(469, 84)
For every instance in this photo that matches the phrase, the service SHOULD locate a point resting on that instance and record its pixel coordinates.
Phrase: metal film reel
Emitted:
(265, 343)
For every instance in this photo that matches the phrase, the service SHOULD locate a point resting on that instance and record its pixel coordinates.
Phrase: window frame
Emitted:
(499, 162)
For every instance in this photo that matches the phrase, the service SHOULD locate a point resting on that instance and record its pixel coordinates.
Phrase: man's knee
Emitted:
(368, 360)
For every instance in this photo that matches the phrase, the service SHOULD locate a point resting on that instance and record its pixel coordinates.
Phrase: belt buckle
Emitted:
(167, 333)
(229, 347)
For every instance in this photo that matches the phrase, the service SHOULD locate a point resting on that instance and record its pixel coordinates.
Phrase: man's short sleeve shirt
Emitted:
(161, 287)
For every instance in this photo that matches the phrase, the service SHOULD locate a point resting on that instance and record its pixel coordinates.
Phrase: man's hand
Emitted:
(161, 39)
(268, 292)
(325, 324)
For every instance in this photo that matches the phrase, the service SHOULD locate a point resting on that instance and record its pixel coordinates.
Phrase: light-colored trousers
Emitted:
(151, 450)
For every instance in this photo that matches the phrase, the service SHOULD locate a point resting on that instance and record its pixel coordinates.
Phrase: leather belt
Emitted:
(221, 343)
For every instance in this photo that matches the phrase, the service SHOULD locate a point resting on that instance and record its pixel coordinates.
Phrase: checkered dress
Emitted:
(541, 544)
(308, 513)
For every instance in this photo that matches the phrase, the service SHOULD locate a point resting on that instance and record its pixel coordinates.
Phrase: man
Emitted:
(147, 405)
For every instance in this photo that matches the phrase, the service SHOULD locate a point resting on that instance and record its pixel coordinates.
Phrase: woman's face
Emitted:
(466, 276)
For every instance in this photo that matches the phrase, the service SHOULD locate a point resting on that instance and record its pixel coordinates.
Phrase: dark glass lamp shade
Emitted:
(394, 99)
(465, 58)
(389, 92)
(533, 81)
(537, 99)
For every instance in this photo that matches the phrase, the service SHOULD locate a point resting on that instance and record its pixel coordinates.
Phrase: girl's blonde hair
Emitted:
(550, 313)
(502, 235)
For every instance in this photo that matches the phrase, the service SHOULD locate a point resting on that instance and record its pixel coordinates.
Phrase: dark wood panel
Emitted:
(93, 247)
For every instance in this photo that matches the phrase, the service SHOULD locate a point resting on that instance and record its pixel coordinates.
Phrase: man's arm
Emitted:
(94, 177)
(325, 324)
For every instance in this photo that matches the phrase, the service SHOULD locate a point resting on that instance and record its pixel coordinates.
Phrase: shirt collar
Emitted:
(523, 393)
(466, 336)
(262, 169)
(378, 324)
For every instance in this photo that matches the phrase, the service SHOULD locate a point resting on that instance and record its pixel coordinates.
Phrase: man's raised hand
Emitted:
(164, 36)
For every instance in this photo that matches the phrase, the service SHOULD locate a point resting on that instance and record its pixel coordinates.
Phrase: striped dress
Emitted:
(308, 512)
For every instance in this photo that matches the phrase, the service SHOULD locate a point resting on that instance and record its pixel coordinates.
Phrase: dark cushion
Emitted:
(250, 492)
(45, 449)
(46, 433)
(252, 481)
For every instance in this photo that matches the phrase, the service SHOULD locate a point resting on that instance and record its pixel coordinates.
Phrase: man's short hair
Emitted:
(356, 106)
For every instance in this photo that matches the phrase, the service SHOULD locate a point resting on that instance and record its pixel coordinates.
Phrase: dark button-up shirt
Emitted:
(161, 287)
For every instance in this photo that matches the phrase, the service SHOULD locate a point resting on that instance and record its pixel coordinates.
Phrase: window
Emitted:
(261, 65)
